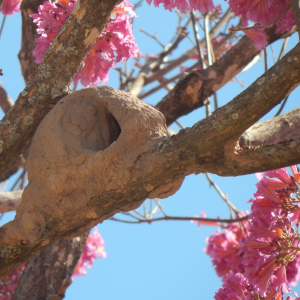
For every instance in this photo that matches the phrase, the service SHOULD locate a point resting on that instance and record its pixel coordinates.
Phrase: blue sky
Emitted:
(164, 260)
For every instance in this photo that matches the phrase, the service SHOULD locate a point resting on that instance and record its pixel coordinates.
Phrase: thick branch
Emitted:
(5, 101)
(53, 77)
(296, 12)
(67, 194)
(48, 274)
(277, 130)
(29, 34)
(191, 92)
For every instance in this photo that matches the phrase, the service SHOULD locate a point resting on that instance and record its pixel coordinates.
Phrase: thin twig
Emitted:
(151, 208)
(222, 195)
(284, 44)
(273, 54)
(169, 218)
(265, 59)
(145, 210)
(138, 213)
(238, 81)
(216, 100)
(197, 39)
(129, 215)
(160, 207)
(18, 179)
(207, 39)
(154, 37)
(282, 105)
(2, 25)
(179, 124)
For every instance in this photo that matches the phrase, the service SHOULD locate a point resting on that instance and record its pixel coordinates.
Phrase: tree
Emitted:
(146, 163)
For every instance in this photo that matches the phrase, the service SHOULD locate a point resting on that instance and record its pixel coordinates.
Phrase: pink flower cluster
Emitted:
(263, 12)
(224, 247)
(115, 43)
(94, 248)
(9, 7)
(262, 261)
(9, 282)
(202, 5)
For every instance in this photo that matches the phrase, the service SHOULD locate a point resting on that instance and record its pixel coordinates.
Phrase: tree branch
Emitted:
(277, 130)
(50, 83)
(296, 12)
(67, 194)
(9, 201)
(170, 218)
(142, 78)
(5, 101)
(48, 274)
(29, 34)
(191, 91)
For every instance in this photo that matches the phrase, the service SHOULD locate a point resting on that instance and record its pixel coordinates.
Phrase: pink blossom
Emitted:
(294, 169)
(181, 4)
(202, 5)
(9, 282)
(281, 174)
(258, 38)
(292, 298)
(9, 7)
(94, 248)
(208, 223)
(265, 190)
(293, 271)
(235, 287)
(295, 215)
(115, 43)
(258, 11)
(279, 282)
(224, 248)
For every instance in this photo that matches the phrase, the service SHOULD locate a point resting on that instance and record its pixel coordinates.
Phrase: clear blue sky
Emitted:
(164, 260)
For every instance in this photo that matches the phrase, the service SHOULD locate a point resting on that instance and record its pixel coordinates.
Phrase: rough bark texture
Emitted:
(191, 91)
(6, 103)
(51, 282)
(29, 34)
(73, 184)
(53, 77)
(274, 131)
(48, 274)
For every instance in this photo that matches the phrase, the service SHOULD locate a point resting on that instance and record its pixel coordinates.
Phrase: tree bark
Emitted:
(142, 163)
(48, 274)
(55, 73)
(190, 92)
(274, 131)
(29, 34)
